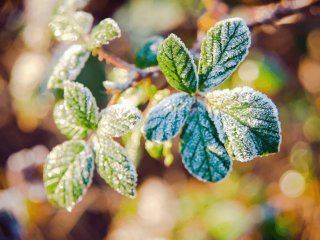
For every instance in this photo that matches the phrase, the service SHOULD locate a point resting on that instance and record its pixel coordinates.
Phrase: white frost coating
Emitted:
(69, 6)
(118, 119)
(66, 123)
(103, 33)
(81, 105)
(69, 66)
(68, 172)
(166, 119)
(85, 20)
(247, 122)
(114, 166)
(177, 64)
(223, 49)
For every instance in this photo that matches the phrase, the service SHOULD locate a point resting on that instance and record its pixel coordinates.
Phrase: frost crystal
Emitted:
(103, 33)
(68, 171)
(167, 118)
(247, 122)
(203, 154)
(118, 119)
(69, 66)
(81, 105)
(177, 65)
(114, 166)
(223, 49)
(66, 123)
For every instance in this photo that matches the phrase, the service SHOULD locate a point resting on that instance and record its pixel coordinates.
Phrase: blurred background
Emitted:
(275, 197)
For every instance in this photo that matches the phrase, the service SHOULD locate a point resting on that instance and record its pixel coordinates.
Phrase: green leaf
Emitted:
(147, 54)
(177, 65)
(66, 123)
(166, 119)
(69, 66)
(114, 166)
(223, 49)
(68, 171)
(70, 28)
(118, 119)
(81, 105)
(247, 122)
(203, 154)
(69, 6)
(103, 33)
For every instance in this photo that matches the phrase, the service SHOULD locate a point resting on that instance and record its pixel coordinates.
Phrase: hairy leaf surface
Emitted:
(224, 47)
(247, 122)
(68, 171)
(118, 119)
(114, 166)
(177, 65)
(203, 154)
(81, 105)
(69, 66)
(166, 119)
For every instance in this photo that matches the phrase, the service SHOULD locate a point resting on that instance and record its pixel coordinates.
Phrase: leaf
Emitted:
(69, 66)
(68, 6)
(114, 166)
(166, 119)
(177, 65)
(118, 119)
(203, 155)
(147, 54)
(71, 27)
(68, 171)
(81, 105)
(103, 33)
(223, 49)
(66, 123)
(247, 122)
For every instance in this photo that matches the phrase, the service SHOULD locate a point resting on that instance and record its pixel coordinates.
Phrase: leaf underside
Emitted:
(166, 119)
(247, 122)
(68, 171)
(203, 154)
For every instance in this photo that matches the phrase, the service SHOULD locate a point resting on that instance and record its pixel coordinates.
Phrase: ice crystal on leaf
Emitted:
(68, 171)
(166, 119)
(69, 66)
(248, 122)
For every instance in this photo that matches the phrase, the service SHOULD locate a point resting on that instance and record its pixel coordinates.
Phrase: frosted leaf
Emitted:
(203, 155)
(69, 66)
(247, 122)
(66, 123)
(71, 27)
(147, 54)
(103, 33)
(223, 49)
(114, 166)
(81, 105)
(68, 171)
(118, 119)
(69, 6)
(177, 65)
(166, 119)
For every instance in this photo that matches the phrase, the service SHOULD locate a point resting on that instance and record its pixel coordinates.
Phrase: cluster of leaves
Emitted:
(237, 124)
(68, 169)
(216, 126)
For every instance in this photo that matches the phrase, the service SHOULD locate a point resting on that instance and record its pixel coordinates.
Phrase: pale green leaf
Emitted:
(203, 154)
(103, 33)
(66, 123)
(81, 105)
(114, 166)
(166, 119)
(71, 27)
(224, 47)
(247, 122)
(69, 6)
(118, 119)
(69, 66)
(68, 171)
(177, 65)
